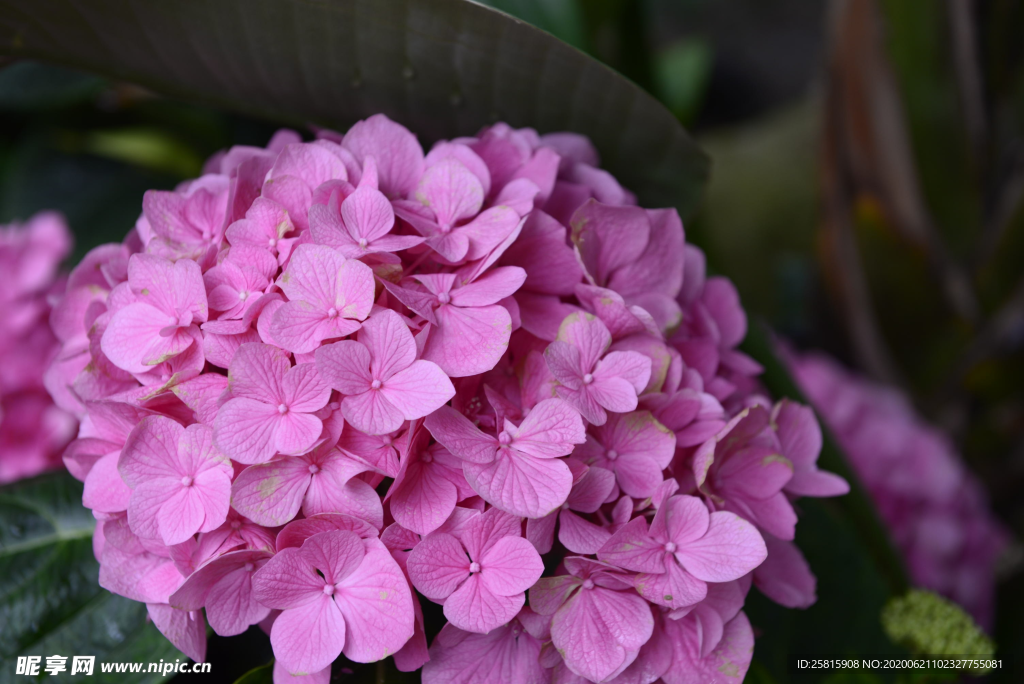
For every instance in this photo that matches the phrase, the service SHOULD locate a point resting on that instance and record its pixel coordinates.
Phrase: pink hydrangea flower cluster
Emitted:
(936, 510)
(329, 378)
(33, 432)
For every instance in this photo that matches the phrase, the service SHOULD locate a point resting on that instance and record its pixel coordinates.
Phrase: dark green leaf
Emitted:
(50, 599)
(561, 18)
(442, 67)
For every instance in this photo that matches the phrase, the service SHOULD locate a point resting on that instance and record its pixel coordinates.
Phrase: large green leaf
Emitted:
(50, 599)
(442, 67)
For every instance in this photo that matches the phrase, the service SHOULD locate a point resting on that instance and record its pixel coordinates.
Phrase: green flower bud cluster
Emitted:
(928, 624)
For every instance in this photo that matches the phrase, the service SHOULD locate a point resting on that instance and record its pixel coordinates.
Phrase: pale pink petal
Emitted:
(304, 390)
(182, 628)
(541, 531)
(354, 297)
(213, 488)
(398, 156)
(468, 341)
(423, 500)
(579, 535)
(283, 676)
(180, 516)
(589, 335)
(389, 342)
(331, 493)
(731, 548)
(313, 276)
(230, 607)
(287, 581)
(146, 503)
(345, 366)
(510, 566)
(336, 554)
(551, 429)
(438, 565)
(367, 214)
(295, 433)
(490, 288)
(592, 490)
(632, 548)
(674, 588)
(151, 451)
(246, 429)
(300, 327)
(522, 485)
(732, 655)
(451, 190)
(599, 631)
(377, 604)
(133, 340)
(418, 390)
(309, 638)
(271, 494)
(488, 230)
(257, 371)
(566, 363)
(371, 413)
(105, 490)
(474, 608)
(633, 367)
(460, 436)
(686, 519)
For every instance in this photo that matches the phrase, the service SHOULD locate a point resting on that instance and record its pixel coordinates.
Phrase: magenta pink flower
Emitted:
(337, 593)
(272, 406)
(590, 378)
(598, 622)
(635, 447)
(181, 483)
(486, 589)
(346, 335)
(383, 383)
(518, 470)
(328, 294)
(168, 301)
(686, 548)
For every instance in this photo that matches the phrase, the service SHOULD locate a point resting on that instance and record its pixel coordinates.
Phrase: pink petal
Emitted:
(296, 433)
(733, 653)
(367, 214)
(183, 629)
(522, 485)
(550, 593)
(589, 335)
(491, 288)
(377, 604)
(245, 430)
(345, 366)
(632, 367)
(674, 588)
(483, 531)
(632, 548)
(419, 390)
(133, 339)
(180, 516)
(398, 156)
(389, 342)
(354, 297)
(488, 230)
(146, 503)
(423, 500)
(257, 371)
(303, 389)
(684, 519)
(579, 535)
(599, 631)
(371, 413)
(510, 566)
(298, 531)
(784, 576)
(817, 483)
(592, 490)
(283, 676)
(213, 488)
(451, 190)
(731, 548)
(105, 490)
(541, 531)
(300, 326)
(336, 554)
(309, 638)
(460, 436)
(566, 364)
(438, 565)
(312, 275)
(609, 237)
(330, 492)
(230, 607)
(151, 451)
(474, 608)
(468, 341)
(287, 581)
(551, 429)
(271, 494)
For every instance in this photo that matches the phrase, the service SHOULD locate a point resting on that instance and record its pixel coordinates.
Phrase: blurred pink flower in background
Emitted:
(33, 432)
(937, 512)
